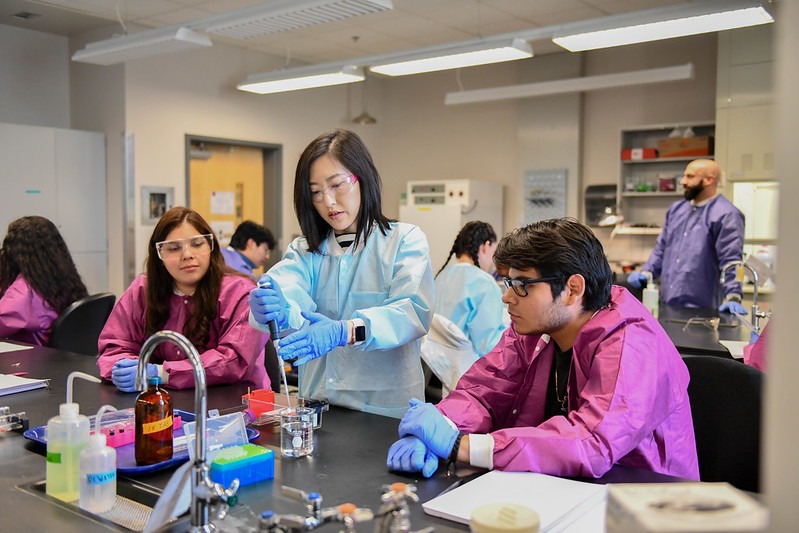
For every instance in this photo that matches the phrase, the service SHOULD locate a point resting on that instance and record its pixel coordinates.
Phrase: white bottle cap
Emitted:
(504, 518)
(69, 411)
(97, 441)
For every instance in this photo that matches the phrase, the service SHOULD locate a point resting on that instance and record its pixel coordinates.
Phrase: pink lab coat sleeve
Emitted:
(24, 315)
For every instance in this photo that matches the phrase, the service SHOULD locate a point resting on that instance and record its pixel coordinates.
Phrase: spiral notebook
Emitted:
(13, 384)
(559, 502)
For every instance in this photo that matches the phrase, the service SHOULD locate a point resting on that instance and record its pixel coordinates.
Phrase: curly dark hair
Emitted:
(348, 149)
(34, 248)
(471, 236)
(560, 247)
(160, 283)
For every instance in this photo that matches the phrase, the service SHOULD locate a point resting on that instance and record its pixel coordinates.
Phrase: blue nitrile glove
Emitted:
(411, 455)
(317, 337)
(637, 279)
(123, 375)
(423, 420)
(753, 337)
(733, 307)
(267, 303)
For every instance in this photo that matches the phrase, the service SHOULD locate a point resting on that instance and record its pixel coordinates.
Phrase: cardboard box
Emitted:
(634, 154)
(685, 146)
(682, 507)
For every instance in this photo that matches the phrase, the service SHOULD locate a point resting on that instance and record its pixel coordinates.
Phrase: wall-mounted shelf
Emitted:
(630, 230)
(648, 208)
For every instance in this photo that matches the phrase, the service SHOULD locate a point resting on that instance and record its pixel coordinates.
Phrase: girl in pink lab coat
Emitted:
(38, 280)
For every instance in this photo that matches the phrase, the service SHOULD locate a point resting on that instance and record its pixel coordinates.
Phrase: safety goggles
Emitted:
(171, 250)
(338, 187)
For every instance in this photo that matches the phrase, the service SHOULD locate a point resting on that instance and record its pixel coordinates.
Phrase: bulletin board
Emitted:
(544, 194)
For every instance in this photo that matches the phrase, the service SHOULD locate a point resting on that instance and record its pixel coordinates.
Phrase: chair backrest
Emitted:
(726, 398)
(78, 326)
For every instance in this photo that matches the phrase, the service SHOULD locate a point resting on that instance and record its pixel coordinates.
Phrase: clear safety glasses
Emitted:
(519, 286)
(172, 250)
(338, 187)
(711, 323)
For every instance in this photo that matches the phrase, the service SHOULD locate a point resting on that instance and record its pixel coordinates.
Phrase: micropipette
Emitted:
(274, 336)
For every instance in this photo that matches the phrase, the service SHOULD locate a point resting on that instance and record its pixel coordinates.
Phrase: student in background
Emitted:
(466, 292)
(249, 247)
(187, 288)
(38, 280)
(584, 378)
(357, 286)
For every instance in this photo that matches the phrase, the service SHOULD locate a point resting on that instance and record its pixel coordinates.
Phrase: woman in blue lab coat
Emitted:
(465, 291)
(357, 286)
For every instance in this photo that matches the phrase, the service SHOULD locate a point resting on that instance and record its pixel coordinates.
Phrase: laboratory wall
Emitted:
(157, 101)
(34, 78)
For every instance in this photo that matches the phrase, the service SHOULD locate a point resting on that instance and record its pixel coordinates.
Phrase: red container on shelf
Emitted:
(634, 154)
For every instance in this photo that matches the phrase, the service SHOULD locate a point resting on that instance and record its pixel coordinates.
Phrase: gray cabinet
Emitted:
(59, 174)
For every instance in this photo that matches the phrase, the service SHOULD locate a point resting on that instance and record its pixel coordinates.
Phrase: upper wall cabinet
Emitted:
(744, 104)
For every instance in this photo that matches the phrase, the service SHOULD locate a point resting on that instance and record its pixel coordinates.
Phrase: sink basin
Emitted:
(135, 502)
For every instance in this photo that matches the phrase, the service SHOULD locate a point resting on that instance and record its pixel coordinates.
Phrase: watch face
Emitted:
(360, 333)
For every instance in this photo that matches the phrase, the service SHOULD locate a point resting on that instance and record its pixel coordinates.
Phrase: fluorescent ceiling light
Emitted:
(140, 45)
(662, 23)
(300, 78)
(453, 57)
(284, 15)
(572, 85)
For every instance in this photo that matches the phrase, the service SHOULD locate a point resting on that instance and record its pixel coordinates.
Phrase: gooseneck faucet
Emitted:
(204, 492)
(757, 314)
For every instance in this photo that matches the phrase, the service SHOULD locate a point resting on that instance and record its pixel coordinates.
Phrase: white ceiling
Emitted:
(411, 24)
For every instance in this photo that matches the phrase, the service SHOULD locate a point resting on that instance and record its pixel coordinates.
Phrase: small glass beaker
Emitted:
(296, 431)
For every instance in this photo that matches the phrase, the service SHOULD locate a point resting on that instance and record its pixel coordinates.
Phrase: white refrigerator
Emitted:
(442, 207)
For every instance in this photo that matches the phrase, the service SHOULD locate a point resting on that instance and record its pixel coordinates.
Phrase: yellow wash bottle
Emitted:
(67, 435)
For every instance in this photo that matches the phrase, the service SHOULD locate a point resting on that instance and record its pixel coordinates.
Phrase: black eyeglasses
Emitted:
(519, 286)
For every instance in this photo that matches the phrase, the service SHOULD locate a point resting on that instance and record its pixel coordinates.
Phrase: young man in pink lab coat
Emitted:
(583, 379)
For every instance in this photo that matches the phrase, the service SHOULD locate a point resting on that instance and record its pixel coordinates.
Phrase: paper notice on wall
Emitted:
(223, 229)
(223, 203)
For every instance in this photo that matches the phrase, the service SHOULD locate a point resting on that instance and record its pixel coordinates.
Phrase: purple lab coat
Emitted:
(24, 315)
(690, 251)
(234, 259)
(627, 396)
(234, 353)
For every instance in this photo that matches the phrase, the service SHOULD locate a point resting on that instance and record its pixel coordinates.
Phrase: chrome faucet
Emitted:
(205, 494)
(757, 314)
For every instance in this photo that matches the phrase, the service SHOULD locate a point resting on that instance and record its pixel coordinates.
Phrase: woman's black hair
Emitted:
(34, 247)
(560, 247)
(349, 150)
(471, 236)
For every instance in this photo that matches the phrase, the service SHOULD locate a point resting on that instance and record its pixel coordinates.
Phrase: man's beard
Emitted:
(691, 193)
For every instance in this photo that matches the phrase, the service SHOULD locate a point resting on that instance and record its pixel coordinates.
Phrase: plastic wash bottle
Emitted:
(651, 296)
(98, 470)
(67, 436)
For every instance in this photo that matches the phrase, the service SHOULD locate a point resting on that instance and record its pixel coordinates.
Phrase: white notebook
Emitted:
(12, 384)
(558, 501)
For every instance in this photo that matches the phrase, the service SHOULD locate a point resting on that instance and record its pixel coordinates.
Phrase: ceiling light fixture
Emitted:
(662, 23)
(449, 57)
(572, 85)
(285, 15)
(142, 44)
(300, 78)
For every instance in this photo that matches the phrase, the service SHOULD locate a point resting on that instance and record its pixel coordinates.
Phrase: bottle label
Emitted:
(101, 478)
(54, 457)
(158, 425)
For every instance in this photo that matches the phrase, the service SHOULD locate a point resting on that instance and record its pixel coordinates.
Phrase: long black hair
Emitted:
(34, 248)
(560, 247)
(350, 151)
(471, 236)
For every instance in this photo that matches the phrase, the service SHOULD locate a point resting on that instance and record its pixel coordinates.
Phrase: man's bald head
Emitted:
(700, 179)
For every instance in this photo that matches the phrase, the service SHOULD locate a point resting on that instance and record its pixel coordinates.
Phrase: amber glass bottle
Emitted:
(153, 424)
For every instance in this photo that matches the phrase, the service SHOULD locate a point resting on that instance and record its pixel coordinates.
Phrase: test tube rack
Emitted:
(12, 421)
(119, 427)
